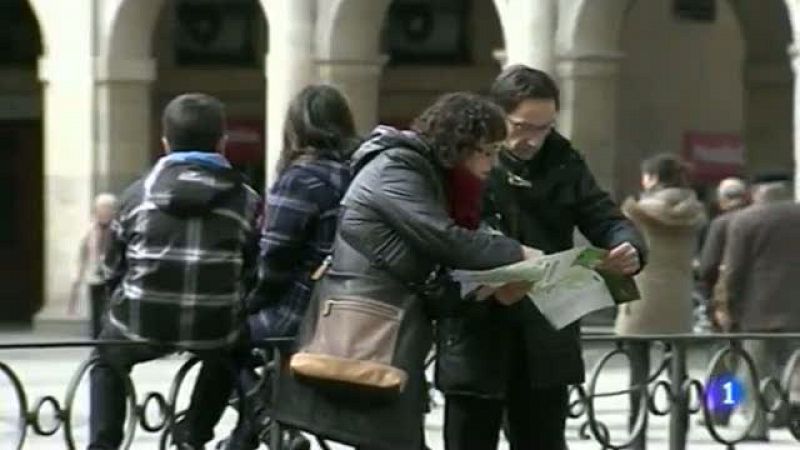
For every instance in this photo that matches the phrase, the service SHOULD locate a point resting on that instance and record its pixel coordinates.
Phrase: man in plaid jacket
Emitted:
(181, 258)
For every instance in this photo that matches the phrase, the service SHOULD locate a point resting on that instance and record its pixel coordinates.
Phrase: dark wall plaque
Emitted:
(433, 31)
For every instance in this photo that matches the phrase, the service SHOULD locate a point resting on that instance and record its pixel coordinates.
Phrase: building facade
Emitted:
(82, 83)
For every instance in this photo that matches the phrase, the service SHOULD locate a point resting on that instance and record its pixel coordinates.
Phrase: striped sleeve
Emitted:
(290, 208)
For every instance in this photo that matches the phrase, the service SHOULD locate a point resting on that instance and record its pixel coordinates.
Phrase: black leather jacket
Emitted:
(539, 202)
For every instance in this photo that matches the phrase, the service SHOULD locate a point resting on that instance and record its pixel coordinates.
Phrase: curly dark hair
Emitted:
(457, 123)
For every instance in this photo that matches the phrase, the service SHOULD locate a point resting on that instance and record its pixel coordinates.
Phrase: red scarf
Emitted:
(464, 191)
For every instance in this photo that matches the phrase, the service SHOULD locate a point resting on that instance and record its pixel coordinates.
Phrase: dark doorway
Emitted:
(21, 224)
(21, 165)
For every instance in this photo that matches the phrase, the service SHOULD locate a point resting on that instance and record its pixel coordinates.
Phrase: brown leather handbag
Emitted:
(353, 340)
(353, 344)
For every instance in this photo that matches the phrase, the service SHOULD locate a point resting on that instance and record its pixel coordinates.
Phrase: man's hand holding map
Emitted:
(565, 286)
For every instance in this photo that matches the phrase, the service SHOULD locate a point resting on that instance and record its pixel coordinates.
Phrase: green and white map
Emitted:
(566, 286)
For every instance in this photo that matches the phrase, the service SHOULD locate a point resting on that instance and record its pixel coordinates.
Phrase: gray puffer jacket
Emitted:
(395, 213)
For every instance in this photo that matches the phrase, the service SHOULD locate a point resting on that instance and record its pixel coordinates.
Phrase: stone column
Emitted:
(290, 66)
(359, 81)
(124, 137)
(767, 115)
(589, 110)
(68, 92)
(529, 28)
(794, 52)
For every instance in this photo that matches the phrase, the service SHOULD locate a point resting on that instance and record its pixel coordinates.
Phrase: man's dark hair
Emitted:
(518, 83)
(193, 122)
(668, 169)
(457, 123)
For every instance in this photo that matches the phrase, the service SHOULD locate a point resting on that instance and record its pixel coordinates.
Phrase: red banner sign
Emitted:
(713, 156)
(245, 142)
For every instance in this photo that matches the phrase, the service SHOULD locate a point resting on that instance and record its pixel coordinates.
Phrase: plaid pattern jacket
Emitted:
(183, 244)
(300, 224)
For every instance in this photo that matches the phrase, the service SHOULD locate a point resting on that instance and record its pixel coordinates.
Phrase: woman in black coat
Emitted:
(396, 228)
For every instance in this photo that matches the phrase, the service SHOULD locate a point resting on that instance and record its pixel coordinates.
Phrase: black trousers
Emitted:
(536, 416)
(97, 298)
(639, 373)
(108, 394)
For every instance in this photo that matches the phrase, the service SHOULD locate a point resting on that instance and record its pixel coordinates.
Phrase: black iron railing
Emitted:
(667, 390)
(164, 407)
(670, 391)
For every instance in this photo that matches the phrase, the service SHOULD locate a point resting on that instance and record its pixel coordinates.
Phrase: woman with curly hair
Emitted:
(412, 208)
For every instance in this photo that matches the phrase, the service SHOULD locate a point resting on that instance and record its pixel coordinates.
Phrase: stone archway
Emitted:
(421, 71)
(351, 28)
(529, 30)
(588, 63)
(592, 27)
(150, 55)
(681, 90)
(217, 48)
(124, 76)
(349, 54)
(130, 27)
(768, 84)
(592, 59)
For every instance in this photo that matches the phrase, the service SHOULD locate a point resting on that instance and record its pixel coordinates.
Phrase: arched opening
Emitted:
(711, 83)
(433, 48)
(593, 26)
(21, 165)
(216, 47)
(350, 56)
(680, 91)
(768, 85)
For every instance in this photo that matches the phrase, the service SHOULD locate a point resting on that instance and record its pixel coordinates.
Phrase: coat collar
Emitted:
(551, 166)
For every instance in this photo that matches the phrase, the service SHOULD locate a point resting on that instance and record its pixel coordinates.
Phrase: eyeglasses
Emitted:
(521, 126)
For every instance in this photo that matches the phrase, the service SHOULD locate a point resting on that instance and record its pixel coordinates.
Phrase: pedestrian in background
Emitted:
(670, 216)
(762, 274)
(90, 262)
(732, 195)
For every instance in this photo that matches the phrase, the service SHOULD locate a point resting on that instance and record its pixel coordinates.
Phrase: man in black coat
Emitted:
(510, 359)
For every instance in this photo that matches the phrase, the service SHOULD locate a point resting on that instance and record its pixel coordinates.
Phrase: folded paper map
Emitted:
(566, 285)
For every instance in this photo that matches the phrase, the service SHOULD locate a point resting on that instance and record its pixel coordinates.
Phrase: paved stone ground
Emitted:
(47, 372)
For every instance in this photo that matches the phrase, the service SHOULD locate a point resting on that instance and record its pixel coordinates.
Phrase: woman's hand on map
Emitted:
(511, 293)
